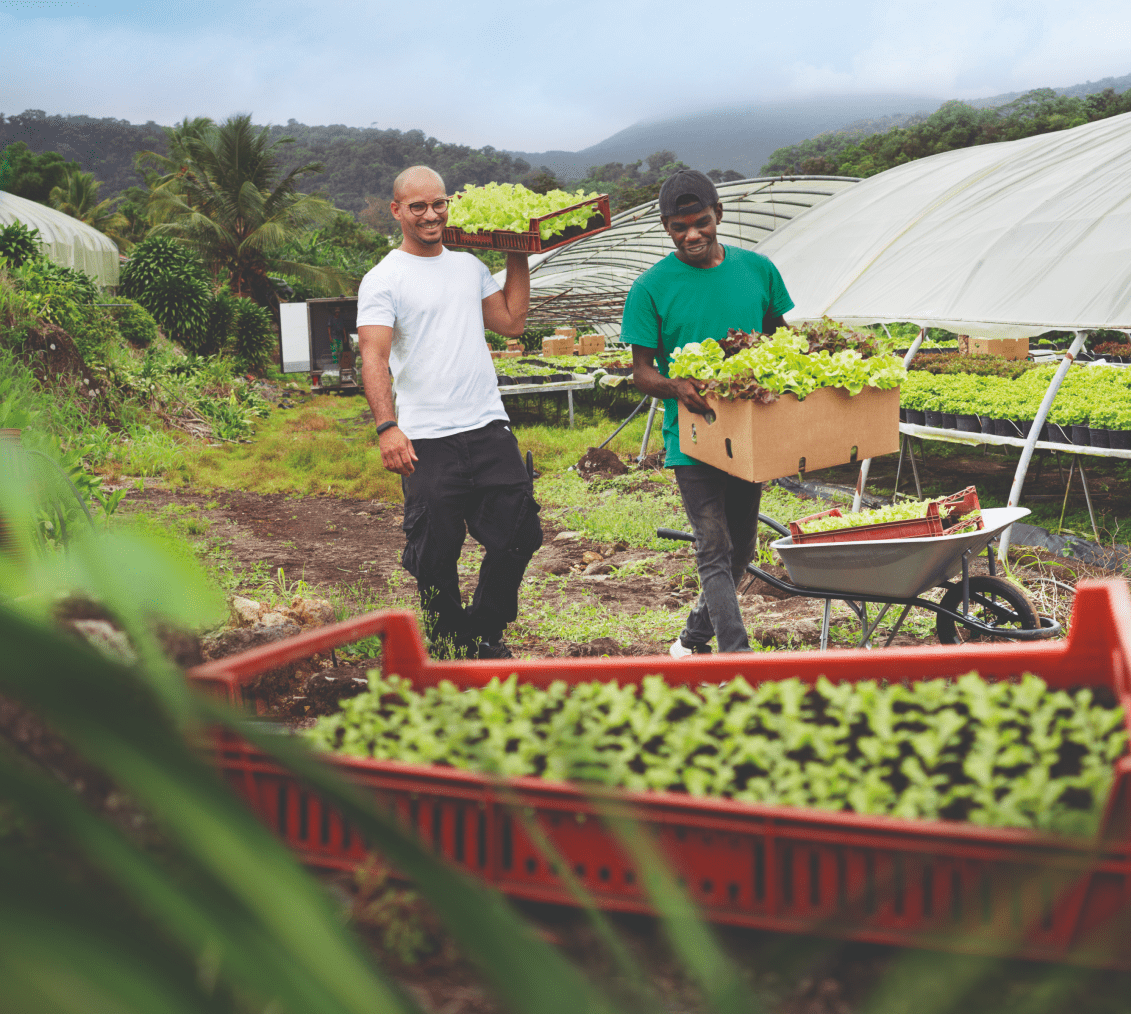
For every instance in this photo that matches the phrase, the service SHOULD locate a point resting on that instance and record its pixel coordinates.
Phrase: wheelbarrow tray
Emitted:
(890, 568)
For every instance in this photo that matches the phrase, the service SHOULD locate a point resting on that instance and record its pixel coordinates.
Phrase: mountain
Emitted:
(739, 137)
(363, 161)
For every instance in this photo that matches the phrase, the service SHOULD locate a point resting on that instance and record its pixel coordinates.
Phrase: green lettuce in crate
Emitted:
(509, 207)
(1010, 754)
(906, 510)
(783, 364)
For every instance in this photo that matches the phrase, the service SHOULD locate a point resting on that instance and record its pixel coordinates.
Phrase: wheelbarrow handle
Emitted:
(676, 535)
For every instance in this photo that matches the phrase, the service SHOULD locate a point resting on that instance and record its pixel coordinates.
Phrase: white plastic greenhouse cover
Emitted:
(609, 262)
(1001, 240)
(66, 240)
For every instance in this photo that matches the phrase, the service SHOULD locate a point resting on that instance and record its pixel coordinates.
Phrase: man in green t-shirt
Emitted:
(700, 291)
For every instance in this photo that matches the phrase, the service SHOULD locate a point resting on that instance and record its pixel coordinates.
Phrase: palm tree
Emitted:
(224, 195)
(78, 197)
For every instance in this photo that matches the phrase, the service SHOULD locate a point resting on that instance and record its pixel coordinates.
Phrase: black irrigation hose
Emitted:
(632, 415)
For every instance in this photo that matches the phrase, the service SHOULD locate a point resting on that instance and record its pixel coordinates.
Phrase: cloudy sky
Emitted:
(519, 76)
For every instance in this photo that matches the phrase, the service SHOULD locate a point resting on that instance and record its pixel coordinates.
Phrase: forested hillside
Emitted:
(852, 152)
(358, 161)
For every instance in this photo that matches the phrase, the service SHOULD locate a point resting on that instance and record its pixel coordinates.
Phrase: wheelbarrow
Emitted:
(896, 572)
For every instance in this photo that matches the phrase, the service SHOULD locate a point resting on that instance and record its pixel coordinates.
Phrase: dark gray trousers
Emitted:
(723, 511)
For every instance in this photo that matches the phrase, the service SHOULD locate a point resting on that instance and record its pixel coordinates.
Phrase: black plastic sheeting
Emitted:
(1115, 557)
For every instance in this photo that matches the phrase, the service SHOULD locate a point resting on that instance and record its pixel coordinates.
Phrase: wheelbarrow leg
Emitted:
(869, 631)
(825, 624)
(898, 624)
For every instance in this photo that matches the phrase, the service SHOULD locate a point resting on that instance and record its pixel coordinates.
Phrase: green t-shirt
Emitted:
(673, 303)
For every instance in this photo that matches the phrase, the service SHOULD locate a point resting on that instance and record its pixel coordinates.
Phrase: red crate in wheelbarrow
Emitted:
(922, 883)
(531, 241)
(960, 504)
(913, 528)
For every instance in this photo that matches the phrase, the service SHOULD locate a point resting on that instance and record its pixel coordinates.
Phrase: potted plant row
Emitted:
(528, 371)
(1092, 407)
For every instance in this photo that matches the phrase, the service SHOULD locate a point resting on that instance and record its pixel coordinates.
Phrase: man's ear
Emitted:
(719, 212)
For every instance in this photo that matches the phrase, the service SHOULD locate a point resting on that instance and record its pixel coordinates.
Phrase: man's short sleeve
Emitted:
(488, 284)
(779, 296)
(375, 301)
(640, 323)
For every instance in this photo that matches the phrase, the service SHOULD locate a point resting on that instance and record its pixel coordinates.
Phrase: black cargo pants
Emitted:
(470, 482)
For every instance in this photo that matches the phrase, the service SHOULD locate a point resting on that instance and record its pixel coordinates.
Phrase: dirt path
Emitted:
(354, 546)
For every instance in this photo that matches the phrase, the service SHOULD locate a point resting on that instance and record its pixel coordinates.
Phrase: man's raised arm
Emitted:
(505, 312)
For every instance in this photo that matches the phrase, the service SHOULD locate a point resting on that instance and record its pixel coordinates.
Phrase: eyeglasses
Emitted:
(419, 207)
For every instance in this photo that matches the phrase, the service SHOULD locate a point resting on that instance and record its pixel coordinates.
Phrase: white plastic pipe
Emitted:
(1035, 432)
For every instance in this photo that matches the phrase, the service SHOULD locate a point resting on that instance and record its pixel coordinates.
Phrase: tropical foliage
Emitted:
(78, 197)
(223, 193)
(168, 280)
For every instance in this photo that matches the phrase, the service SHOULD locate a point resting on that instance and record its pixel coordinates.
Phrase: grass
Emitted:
(328, 447)
(544, 614)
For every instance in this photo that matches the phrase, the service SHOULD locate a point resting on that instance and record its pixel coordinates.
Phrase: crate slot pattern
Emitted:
(945, 885)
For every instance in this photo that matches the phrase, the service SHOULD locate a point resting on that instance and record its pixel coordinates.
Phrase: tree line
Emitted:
(953, 125)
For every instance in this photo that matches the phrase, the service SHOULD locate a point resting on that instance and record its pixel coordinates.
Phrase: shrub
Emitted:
(170, 283)
(253, 335)
(135, 324)
(221, 320)
(93, 329)
(19, 244)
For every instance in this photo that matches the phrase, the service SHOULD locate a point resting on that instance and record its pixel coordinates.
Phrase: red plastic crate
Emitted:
(531, 241)
(938, 884)
(916, 528)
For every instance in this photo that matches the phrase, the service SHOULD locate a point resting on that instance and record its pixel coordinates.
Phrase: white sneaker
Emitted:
(677, 650)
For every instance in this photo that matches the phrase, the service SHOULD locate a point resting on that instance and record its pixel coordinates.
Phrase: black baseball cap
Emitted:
(687, 183)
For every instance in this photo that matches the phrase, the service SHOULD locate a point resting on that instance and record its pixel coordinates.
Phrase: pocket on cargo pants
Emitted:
(415, 528)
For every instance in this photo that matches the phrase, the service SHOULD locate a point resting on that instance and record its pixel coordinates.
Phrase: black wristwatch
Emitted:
(386, 426)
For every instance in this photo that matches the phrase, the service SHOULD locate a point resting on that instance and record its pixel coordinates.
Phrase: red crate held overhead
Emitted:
(531, 241)
(936, 884)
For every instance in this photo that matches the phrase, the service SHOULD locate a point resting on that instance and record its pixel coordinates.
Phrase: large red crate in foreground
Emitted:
(939, 884)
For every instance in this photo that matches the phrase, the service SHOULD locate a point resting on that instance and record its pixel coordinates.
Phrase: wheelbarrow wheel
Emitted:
(994, 602)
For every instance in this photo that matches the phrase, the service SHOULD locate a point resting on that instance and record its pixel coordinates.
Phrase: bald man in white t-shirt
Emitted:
(421, 313)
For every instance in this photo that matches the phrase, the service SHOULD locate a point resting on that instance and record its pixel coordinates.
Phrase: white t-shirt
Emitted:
(440, 360)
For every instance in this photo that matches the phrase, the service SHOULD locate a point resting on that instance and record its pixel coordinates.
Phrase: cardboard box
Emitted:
(509, 354)
(562, 346)
(566, 332)
(1007, 348)
(763, 442)
(590, 344)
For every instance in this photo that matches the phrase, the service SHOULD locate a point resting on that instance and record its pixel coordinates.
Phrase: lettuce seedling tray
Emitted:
(920, 883)
(531, 241)
(913, 528)
(932, 524)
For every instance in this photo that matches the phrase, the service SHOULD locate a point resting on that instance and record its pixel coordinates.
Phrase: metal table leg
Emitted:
(825, 624)
(914, 468)
(1088, 499)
